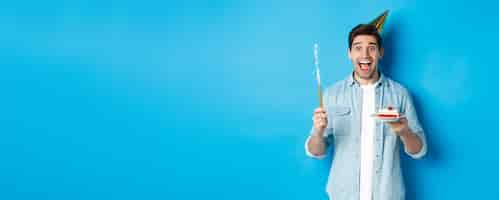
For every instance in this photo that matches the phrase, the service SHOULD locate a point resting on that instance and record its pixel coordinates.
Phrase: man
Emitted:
(366, 159)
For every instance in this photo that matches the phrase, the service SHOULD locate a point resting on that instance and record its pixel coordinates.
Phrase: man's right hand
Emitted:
(320, 121)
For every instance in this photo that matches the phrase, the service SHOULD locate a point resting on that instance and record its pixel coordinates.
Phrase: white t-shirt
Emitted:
(368, 126)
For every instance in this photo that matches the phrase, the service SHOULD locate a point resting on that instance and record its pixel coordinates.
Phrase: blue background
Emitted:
(213, 99)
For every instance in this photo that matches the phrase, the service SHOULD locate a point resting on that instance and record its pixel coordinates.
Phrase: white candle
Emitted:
(317, 71)
(316, 62)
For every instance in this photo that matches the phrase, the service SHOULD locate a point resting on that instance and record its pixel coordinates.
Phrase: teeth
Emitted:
(364, 62)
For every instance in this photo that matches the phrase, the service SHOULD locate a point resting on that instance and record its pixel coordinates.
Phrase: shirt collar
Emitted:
(351, 80)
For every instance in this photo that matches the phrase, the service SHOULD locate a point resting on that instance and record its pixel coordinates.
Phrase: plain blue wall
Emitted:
(213, 99)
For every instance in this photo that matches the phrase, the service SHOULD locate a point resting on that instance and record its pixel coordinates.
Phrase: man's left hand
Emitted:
(400, 127)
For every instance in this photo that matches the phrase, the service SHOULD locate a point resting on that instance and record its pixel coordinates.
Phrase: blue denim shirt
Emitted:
(343, 104)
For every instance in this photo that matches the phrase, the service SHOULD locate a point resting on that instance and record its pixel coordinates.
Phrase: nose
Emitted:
(365, 52)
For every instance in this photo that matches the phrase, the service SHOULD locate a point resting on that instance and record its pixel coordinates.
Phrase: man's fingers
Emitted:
(323, 124)
(403, 120)
(319, 121)
(319, 117)
(319, 110)
(398, 122)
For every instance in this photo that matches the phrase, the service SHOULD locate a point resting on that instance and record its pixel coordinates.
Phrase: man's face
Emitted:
(365, 55)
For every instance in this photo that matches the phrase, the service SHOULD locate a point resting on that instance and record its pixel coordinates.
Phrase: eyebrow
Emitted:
(370, 43)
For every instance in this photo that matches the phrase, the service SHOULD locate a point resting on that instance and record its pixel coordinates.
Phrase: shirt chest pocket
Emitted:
(340, 120)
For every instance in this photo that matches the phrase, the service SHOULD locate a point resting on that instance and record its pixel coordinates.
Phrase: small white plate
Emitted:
(386, 119)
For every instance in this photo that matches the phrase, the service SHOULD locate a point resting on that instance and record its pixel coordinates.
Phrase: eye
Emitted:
(358, 48)
(372, 48)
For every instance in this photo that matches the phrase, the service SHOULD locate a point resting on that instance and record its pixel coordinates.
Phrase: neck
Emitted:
(367, 81)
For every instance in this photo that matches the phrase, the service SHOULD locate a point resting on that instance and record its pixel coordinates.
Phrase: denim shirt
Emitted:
(343, 104)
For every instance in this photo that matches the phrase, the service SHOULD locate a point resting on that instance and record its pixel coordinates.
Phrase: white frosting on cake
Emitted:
(388, 111)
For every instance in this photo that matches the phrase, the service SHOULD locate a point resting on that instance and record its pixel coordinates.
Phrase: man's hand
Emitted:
(400, 127)
(320, 121)
(412, 143)
(316, 144)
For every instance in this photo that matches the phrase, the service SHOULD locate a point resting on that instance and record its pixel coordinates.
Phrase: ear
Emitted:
(349, 54)
(381, 52)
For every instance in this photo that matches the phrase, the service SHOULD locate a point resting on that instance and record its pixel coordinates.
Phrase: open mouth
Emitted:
(365, 65)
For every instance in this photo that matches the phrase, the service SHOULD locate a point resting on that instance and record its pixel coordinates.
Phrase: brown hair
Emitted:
(364, 29)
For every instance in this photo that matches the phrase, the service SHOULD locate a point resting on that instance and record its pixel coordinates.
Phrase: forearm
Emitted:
(317, 144)
(412, 142)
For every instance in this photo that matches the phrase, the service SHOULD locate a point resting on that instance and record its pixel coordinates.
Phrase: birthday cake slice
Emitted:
(388, 113)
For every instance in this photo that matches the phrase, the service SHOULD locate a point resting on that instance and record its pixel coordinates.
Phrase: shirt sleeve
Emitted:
(326, 138)
(328, 134)
(415, 126)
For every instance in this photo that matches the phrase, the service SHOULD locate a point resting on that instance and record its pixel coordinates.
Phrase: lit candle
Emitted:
(317, 71)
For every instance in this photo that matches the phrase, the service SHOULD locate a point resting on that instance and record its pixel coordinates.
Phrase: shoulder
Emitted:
(337, 86)
(396, 87)
(335, 91)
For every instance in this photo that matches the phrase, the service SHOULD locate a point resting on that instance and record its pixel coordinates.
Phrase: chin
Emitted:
(363, 75)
